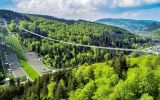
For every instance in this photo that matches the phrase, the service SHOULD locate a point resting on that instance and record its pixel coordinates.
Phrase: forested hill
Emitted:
(55, 18)
(152, 27)
(140, 78)
(142, 26)
(85, 73)
(155, 32)
(10, 15)
(82, 32)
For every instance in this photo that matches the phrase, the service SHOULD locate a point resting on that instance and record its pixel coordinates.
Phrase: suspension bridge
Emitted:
(92, 46)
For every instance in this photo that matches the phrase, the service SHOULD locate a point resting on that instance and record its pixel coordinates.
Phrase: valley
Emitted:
(135, 26)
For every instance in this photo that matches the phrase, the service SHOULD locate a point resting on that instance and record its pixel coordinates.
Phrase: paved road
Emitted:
(14, 65)
(37, 63)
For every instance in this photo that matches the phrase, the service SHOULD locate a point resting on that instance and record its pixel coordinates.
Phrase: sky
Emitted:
(87, 9)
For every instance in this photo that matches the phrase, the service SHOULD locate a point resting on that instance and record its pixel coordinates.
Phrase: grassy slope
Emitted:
(22, 59)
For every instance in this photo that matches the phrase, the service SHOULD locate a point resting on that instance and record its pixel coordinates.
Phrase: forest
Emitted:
(85, 73)
(119, 79)
(1, 72)
(59, 55)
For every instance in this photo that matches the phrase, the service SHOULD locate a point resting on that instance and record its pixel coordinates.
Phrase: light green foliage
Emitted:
(104, 80)
(51, 89)
(28, 69)
(146, 97)
(145, 61)
(84, 94)
(105, 87)
(13, 26)
(101, 70)
(100, 82)
(139, 80)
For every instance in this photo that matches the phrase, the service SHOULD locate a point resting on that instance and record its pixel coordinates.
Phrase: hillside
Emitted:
(155, 32)
(153, 27)
(81, 31)
(141, 26)
(100, 81)
(10, 15)
(79, 73)
(55, 18)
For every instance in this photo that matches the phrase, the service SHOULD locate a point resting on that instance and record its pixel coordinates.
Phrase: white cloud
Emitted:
(85, 9)
(132, 3)
(148, 14)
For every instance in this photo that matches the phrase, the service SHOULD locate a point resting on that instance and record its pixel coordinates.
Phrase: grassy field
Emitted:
(12, 40)
(29, 70)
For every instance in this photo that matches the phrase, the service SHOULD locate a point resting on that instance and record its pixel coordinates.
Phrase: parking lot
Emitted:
(37, 63)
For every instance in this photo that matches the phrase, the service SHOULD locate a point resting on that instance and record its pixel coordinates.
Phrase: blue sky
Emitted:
(5, 3)
(88, 9)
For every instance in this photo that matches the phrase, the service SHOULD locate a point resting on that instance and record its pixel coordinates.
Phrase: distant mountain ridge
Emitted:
(140, 26)
(16, 16)
(54, 18)
(11, 15)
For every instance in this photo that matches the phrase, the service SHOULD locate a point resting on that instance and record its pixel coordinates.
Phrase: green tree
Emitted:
(106, 57)
(84, 94)
(12, 82)
(61, 90)
(146, 97)
(12, 26)
(119, 65)
(51, 90)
